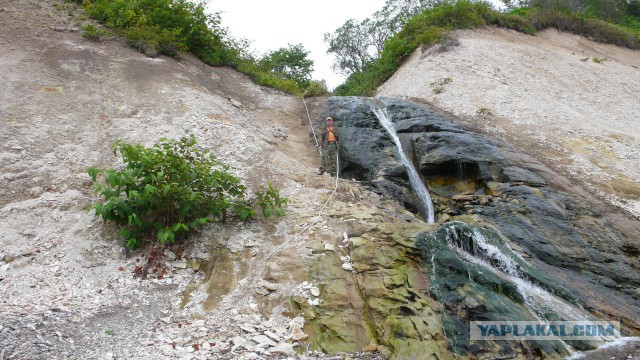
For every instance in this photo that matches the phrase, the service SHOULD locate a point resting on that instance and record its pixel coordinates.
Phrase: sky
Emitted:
(273, 24)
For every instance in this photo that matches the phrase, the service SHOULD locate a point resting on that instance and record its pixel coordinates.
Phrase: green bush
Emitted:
(94, 33)
(316, 88)
(165, 191)
(153, 41)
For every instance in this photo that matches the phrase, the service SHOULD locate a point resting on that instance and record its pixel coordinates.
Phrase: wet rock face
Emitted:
(380, 301)
(567, 238)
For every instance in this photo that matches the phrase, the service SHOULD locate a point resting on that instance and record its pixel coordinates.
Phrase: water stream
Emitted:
(414, 178)
(475, 247)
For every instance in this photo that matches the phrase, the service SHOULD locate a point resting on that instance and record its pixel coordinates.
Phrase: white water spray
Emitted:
(416, 182)
(538, 300)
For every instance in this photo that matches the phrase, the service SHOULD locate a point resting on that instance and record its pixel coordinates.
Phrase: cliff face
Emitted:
(571, 103)
(352, 270)
(490, 199)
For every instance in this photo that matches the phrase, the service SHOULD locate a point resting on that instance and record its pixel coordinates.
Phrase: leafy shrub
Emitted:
(167, 190)
(153, 41)
(316, 88)
(93, 33)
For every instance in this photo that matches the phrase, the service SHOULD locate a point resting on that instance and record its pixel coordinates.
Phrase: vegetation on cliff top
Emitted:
(432, 25)
(169, 27)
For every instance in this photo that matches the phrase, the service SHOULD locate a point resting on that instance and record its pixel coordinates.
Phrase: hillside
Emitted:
(546, 95)
(351, 274)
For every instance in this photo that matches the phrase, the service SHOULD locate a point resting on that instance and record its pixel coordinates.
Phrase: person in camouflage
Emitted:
(329, 146)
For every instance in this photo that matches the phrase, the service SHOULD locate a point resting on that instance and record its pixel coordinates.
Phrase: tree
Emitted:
(291, 62)
(350, 45)
(356, 44)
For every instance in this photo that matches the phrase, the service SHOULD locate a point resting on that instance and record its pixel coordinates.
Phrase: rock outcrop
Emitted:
(589, 255)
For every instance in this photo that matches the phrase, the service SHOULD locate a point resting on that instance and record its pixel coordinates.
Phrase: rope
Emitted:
(284, 244)
(311, 123)
(337, 178)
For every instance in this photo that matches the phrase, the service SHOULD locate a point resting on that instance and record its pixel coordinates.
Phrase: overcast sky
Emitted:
(273, 24)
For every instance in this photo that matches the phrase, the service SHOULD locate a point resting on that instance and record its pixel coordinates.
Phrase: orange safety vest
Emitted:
(332, 137)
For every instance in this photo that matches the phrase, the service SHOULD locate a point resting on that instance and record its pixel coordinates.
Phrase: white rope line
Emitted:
(284, 244)
(311, 123)
(337, 178)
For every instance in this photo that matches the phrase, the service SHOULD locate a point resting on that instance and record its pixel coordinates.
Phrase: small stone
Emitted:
(248, 328)
(238, 341)
(272, 336)
(345, 258)
(262, 339)
(315, 291)
(250, 356)
(298, 334)
(251, 243)
(314, 302)
(273, 266)
(249, 346)
(329, 247)
(206, 346)
(283, 349)
(267, 324)
(180, 264)
(347, 266)
(262, 291)
(235, 102)
(237, 317)
(169, 255)
(384, 351)
(345, 238)
(270, 286)
(370, 348)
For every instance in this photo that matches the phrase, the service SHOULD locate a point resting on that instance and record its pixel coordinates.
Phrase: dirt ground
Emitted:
(67, 287)
(570, 102)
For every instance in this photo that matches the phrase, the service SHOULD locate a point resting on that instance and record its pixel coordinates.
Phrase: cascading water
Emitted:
(486, 252)
(538, 300)
(416, 182)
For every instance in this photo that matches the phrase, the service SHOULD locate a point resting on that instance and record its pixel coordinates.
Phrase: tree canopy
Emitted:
(291, 62)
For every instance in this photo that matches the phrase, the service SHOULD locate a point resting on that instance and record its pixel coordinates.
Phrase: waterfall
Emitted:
(481, 251)
(416, 182)
(475, 247)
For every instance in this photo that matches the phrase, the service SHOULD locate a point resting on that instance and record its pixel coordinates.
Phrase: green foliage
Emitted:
(356, 44)
(291, 62)
(267, 78)
(165, 27)
(94, 33)
(598, 60)
(434, 24)
(437, 87)
(316, 88)
(156, 27)
(167, 190)
(153, 41)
